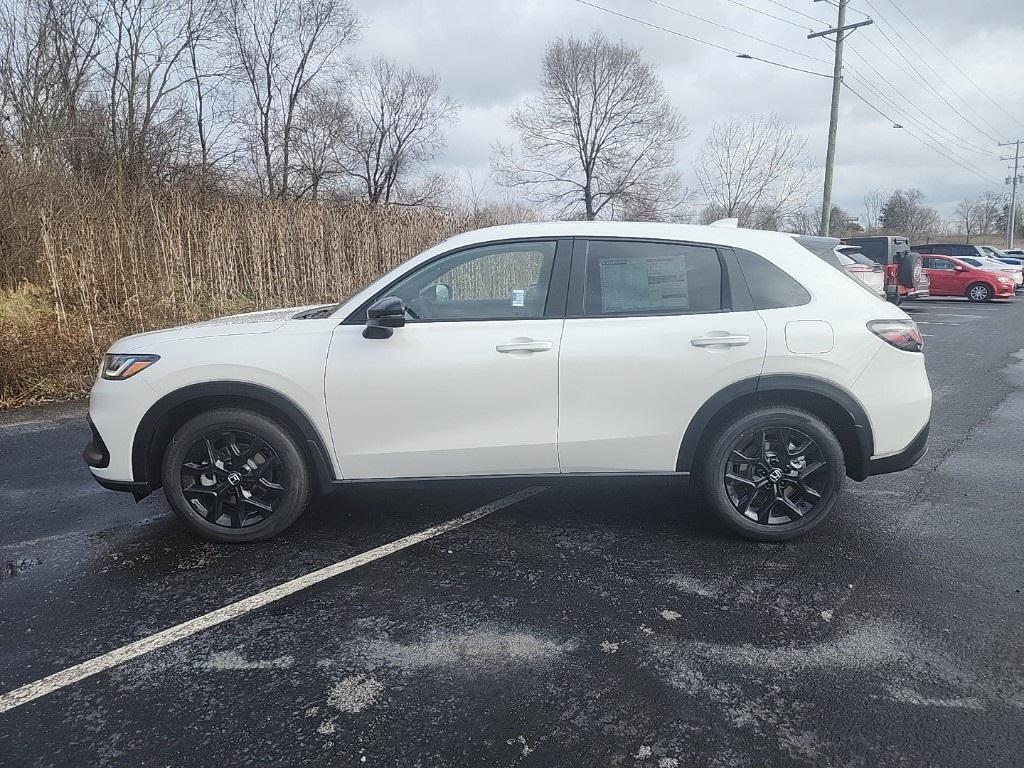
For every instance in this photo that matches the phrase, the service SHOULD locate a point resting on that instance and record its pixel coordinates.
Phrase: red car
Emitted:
(952, 277)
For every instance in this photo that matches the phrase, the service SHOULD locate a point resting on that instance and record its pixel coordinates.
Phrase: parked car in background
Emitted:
(551, 349)
(862, 268)
(1003, 256)
(830, 250)
(1017, 253)
(1014, 273)
(975, 255)
(956, 250)
(955, 277)
(904, 276)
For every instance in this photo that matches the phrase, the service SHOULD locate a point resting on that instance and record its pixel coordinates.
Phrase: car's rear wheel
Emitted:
(233, 475)
(773, 473)
(979, 292)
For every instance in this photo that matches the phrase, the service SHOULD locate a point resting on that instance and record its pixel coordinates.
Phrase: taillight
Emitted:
(902, 334)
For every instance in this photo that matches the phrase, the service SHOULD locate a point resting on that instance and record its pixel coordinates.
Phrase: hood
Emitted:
(231, 325)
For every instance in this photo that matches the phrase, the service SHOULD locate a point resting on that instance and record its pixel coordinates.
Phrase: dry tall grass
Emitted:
(80, 266)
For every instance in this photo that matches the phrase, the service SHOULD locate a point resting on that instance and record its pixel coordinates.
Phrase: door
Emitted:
(469, 385)
(649, 337)
(945, 280)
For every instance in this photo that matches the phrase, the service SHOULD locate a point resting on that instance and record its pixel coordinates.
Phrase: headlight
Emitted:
(120, 367)
(1004, 280)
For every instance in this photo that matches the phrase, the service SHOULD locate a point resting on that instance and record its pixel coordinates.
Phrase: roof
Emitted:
(727, 236)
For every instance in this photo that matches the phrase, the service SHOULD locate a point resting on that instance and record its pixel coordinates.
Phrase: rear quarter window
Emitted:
(770, 287)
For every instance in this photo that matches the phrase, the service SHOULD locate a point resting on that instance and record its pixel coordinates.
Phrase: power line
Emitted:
(955, 65)
(924, 142)
(913, 73)
(815, 19)
(941, 142)
(677, 33)
(769, 15)
(744, 55)
(941, 79)
(964, 144)
(736, 31)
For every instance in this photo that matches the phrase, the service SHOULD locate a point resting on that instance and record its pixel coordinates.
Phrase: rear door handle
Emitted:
(523, 345)
(723, 339)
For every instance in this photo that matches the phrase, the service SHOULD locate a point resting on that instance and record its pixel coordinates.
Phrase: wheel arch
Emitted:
(172, 410)
(829, 402)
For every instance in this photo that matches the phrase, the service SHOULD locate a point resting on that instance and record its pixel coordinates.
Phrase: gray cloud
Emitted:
(488, 54)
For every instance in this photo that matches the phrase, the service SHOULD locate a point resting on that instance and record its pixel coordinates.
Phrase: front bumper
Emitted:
(95, 452)
(905, 459)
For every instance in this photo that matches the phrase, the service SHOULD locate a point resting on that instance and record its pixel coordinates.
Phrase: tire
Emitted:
(752, 506)
(978, 292)
(911, 266)
(259, 485)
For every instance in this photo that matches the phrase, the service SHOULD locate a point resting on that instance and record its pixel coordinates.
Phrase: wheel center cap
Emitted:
(234, 478)
(775, 475)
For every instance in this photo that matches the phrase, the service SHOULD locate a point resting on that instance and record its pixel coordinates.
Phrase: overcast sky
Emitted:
(487, 54)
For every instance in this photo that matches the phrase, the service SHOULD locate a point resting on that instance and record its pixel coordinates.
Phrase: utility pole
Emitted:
(1011, 214)
(841, 30)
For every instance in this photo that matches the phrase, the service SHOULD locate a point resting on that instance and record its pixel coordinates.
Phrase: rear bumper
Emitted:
(905, 459)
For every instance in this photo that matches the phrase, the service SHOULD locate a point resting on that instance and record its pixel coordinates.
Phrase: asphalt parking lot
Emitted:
(599, 624)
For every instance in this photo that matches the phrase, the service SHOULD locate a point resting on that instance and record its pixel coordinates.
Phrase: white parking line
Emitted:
(71, 675)
(928, 322)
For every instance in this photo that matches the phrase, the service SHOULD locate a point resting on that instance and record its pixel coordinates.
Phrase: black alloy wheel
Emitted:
(772, 473)
(232, 478)
(776, 475)
(233, 475)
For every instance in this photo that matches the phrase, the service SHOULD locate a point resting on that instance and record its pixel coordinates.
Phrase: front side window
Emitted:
(938, 264)
(626, 277)
(503, 281)
(972, 262)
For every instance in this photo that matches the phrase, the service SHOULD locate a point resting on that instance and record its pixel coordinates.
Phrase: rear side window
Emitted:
(643, 278)
(770, 287)
(874, 250)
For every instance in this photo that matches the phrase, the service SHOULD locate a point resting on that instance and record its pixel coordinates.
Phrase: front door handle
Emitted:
(720, 338)
(523, 345)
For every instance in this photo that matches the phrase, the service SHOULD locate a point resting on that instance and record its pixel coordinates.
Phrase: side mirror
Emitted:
(383, 316)
(958, 268)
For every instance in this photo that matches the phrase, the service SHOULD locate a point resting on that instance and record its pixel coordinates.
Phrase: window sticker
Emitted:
(654, 282)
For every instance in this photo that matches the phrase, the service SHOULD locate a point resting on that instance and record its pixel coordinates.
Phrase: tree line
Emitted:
(262, 98)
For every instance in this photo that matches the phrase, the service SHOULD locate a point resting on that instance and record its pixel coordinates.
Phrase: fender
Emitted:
(781, 382)
(297, 418)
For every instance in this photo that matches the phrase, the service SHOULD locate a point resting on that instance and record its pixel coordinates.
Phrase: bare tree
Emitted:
(387, 125)
(144, 67)
(873, 202)
(904, 213)
(282, 48)
(598, 137)
(966, 222)
(754, 170)
(48, 52)
(988, 212)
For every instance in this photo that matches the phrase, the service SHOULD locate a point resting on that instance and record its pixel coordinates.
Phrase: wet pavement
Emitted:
(598, 624)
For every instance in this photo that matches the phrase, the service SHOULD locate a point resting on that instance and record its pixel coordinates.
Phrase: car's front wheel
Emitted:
(979, 292)
(233, 475)
(773, 473)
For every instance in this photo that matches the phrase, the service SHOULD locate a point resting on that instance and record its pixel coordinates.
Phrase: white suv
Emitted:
(555, 350)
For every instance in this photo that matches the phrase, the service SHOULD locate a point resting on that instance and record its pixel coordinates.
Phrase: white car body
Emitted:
(604, 394)
(872, 275)
(994, 265)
